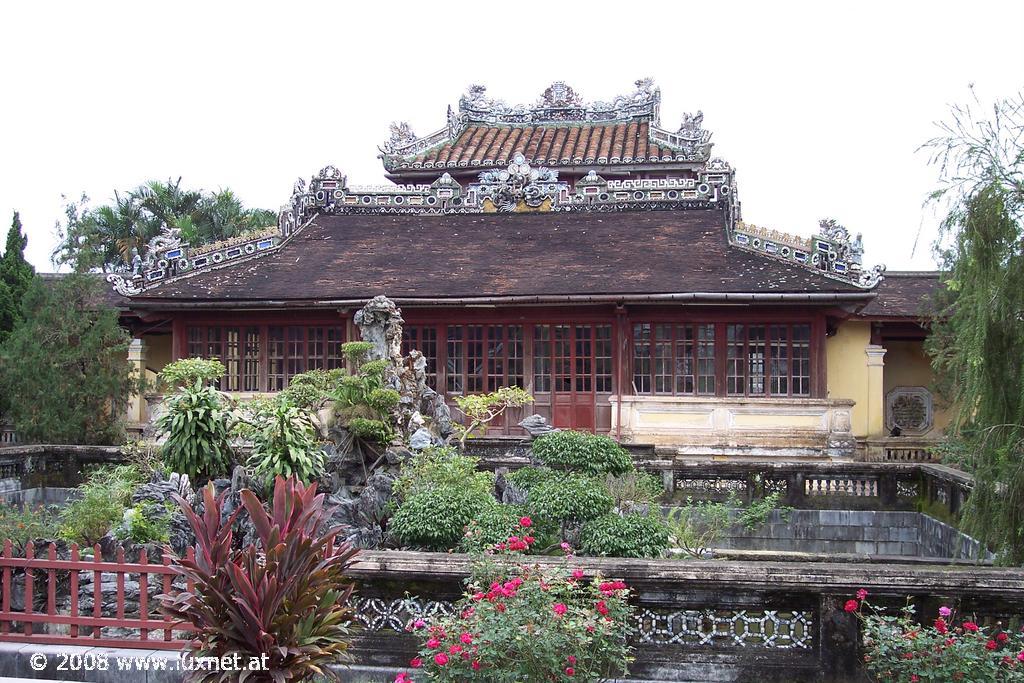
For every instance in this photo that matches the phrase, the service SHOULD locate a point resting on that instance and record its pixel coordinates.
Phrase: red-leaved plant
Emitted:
(281, 605)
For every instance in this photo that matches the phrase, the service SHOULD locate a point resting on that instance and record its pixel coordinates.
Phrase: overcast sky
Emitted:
(819, 106)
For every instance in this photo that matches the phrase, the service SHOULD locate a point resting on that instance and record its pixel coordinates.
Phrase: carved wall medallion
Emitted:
(910, 409)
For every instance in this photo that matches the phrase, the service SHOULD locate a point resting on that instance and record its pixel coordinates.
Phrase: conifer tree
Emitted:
(15, 277)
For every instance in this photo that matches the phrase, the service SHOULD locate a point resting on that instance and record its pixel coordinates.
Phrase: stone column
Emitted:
(876, 390)
(138, 414)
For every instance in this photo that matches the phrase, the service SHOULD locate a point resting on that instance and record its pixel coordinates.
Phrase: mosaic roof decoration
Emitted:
(559, 129)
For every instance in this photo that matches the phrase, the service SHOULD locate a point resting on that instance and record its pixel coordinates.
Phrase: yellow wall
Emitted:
(158, 351)
(847, 370)
(907, 365)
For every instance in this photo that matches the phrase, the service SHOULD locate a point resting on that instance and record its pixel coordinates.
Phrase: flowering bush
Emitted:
(527, 623)
(949, 648)
(492, 526)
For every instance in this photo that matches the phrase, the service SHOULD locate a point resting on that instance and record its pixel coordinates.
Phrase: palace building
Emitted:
(579, 250)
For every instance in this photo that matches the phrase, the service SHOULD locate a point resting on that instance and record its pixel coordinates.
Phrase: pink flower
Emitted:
(1020, 656)
(433, 643)
(851, 605)
(403, 678)
(577, 573)
(914, 678)
(861, 594)
(475, 665)
(569, 671)
(419, 623)
(455, 649)
(466, 638)
(559, 608)
(415, 662)
(441, 659)
(572, 659)
(945, 611)
(525, 521)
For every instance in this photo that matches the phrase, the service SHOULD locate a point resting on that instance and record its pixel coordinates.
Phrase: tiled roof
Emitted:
(904, 294)
(548, 145)
(355, 256)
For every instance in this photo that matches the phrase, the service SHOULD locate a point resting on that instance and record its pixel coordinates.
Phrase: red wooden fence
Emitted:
(154, 631)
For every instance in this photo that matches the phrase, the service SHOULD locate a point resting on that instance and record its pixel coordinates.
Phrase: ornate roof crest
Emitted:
(559, 94)
(401, 136)
(518, 188)
(692, 127)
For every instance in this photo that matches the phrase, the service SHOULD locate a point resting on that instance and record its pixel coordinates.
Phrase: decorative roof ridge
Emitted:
(832, 251)
(558, 105)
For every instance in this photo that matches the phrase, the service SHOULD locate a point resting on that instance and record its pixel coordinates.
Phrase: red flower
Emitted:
(455, 649)
(577, 573)
(970, 626)
(441, 658)
(415, 662)
(851, 605)
(569, 671)
(940, 626)
(991, 645)
(602, 608)
(475, 665)
(861, 594)
(1002, 637)
(433, 643)
(466, 638)
(525, 521)
(914, 678)
(500, 607)
(559, 608)
(908, 655)
(572, 659)
(1020, 656)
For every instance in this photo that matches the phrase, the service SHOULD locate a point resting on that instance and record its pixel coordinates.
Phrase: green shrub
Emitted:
(491, 526)
(630, 535)
(310, 390)
(356, 351)
(567, 500)
(197, 426)
(436, 518)
(695, 527)
(145, 523)
(482, 409)
(441, 468)
(102, 500)
(582, 452)
(285, 444)
(375, 431)
(528, 477)
(22, 525)
(188, 371)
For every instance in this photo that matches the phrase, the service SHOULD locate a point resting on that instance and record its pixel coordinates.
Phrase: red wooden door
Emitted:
(573, 374)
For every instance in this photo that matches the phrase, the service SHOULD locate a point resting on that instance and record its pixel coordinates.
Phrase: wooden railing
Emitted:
(59, 621)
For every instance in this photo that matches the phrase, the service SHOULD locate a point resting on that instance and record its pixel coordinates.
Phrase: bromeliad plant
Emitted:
(283, 600)
(898, 648)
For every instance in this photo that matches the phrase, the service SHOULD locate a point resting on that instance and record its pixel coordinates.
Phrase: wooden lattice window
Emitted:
(674, 359)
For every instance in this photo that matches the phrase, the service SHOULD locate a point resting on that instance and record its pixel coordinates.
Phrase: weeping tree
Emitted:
(977, 344)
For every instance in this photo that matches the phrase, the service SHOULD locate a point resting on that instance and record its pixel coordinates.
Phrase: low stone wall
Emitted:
(860, 532)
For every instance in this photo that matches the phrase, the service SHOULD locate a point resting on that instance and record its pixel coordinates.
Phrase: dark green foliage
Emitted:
(106, 237)
(197, 427)
(491, 526)
(528, 477)
(66, 367)
(582, 452)
(436, 519)
(567, 500)
(310, 390)
(372, 431)
(977, 343)
(101, 503)
(285, 598)
(16, 275)
(363, 401)
(630, 535)
(442, 468)
(21, 525)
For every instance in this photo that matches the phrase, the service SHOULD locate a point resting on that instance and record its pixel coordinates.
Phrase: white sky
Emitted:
(819, 106)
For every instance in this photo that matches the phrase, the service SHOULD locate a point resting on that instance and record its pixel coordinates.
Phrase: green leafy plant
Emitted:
(526, 623)
(284, 599)
(442, 468)
(145, 523)
(634, 489)
(21, 525)
(565, 502)
(753, 516)
(629, 535)
(436, 518)
(492, 526)
(363, 401)
(899, 648)
(100, 505)
(695, 527)
(285, 444)
(528, 477)
(310, 390)
(374, 431)
(189, 371)
(482, 409)
(198, 426)
(582, 452)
